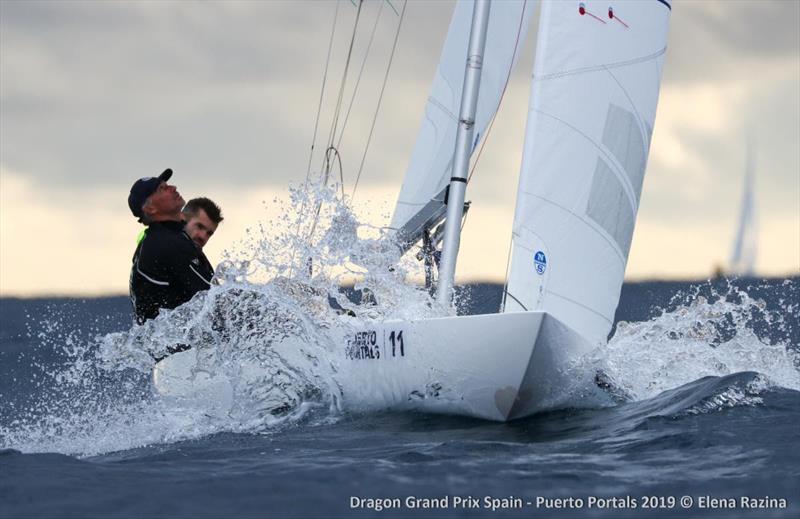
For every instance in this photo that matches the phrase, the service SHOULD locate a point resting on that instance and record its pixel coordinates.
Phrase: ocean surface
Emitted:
(705, 421)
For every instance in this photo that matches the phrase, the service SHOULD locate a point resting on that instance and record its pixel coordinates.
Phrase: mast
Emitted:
(466, 124)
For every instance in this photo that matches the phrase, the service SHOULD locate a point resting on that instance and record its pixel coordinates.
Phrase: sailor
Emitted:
(202, 217)
(168, 268)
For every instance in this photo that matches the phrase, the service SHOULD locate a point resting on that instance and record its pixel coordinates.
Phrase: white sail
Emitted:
(745, 244)
(432, 159)
(593, 104)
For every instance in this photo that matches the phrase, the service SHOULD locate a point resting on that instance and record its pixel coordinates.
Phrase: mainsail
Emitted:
(593, 105)
(421, 200)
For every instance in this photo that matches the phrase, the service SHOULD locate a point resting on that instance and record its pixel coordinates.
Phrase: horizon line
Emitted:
(475, 281)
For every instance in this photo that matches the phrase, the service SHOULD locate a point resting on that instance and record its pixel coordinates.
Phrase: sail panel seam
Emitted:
(602, 66)
(438, 104)
(639, 118)
(565, 298)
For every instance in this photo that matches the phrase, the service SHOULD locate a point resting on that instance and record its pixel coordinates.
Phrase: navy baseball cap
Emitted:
(143, 188)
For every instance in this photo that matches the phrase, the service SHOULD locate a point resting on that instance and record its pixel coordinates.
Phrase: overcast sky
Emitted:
(94, 95)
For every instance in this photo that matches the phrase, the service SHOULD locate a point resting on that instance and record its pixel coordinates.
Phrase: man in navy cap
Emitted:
(168, 269)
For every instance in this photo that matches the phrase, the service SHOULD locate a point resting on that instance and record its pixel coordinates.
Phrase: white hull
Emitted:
(496, 366)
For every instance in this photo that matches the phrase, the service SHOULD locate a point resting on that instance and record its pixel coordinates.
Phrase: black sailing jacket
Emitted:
(168, 270)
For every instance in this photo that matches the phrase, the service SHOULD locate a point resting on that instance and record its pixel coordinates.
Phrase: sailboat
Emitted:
(594, 92)
(745, 242)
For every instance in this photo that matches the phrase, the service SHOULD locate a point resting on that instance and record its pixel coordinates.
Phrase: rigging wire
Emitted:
(332, 153)
(380, 97)
(338, 109)
(316, 120)
(390, 5)
(334, 123)
(338, 157)
(360, 73)
(322, 91)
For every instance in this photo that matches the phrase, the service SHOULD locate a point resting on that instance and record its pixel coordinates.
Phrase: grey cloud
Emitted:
(191, 40)
(117, 90)
(728, 38)
(766, 28)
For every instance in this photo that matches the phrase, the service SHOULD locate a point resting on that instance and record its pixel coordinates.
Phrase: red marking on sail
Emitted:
(582, 10)
(612, 15)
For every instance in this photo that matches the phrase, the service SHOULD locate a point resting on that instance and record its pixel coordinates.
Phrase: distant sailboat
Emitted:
(745, 242)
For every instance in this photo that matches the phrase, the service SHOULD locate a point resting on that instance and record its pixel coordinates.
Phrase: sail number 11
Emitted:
(396, 338)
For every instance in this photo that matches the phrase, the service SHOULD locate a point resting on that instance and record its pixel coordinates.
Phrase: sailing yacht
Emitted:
(745, 243)
(594, 93)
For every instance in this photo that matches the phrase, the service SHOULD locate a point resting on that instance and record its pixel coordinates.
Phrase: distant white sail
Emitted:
(593, 104)
(745, 243)
(431, 161)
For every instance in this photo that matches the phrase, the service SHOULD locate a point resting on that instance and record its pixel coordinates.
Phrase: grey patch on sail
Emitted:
(608, 206)
(622, 136)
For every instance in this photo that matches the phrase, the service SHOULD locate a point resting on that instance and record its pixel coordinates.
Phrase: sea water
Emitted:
(701, 411)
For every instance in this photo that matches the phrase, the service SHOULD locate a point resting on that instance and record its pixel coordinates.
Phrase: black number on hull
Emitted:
(396, 338)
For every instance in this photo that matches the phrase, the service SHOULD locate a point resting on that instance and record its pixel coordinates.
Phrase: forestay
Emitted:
(593, 104)
(432, 159)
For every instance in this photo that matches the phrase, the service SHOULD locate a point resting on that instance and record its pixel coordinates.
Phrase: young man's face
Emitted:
(200, 228)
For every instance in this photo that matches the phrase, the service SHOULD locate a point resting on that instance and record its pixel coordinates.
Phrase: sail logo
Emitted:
(540, 260)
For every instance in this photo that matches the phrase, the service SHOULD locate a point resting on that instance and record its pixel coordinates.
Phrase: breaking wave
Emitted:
(712, 334)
